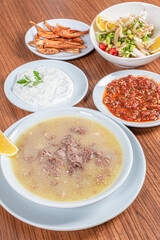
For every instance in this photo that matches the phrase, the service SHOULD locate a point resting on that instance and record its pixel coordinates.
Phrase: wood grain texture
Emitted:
(141, 220)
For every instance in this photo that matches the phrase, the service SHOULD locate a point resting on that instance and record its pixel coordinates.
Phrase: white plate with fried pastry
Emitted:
(62, 55)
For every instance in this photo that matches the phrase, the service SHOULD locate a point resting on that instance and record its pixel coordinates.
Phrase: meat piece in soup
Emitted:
(67, 159)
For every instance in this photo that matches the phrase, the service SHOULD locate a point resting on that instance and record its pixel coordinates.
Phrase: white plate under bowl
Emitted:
(74, 24)
(100, 88)
(79, 79)
(73, 112)
(77, 218)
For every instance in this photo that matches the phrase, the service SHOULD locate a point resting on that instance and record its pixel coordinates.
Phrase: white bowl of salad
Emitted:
(127, 34)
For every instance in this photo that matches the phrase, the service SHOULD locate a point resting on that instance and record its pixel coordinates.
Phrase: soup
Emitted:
(67, 159)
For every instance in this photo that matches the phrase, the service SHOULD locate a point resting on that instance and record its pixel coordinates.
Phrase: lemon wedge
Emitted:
(155, 47)
(101, 23)
(6, 146)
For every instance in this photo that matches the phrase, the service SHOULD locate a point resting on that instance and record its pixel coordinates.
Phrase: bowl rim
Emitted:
(112, 56)
(90, 112)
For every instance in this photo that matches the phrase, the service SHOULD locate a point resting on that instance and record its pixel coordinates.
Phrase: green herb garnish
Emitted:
(27, 81)
(37, 78)
(140, 23)
(126, 49)
(145, 38)
(24, 81)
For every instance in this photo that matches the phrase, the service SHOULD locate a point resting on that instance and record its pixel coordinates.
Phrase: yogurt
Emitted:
(56, 87)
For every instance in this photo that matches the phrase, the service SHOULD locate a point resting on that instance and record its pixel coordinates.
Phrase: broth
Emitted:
(67, 159)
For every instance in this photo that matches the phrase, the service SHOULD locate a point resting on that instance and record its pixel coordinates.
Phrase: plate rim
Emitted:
(80, 227)
(15, 100)
(110, 115)
(54, 57)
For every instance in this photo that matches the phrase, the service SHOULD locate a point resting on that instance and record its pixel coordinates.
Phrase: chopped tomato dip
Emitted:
(135, 99)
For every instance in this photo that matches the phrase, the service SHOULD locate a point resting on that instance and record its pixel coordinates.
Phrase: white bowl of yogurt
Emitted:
(61, 84)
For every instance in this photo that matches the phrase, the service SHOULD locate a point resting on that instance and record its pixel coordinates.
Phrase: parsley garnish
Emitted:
(140, 23)
(24, 81)
(27, 81)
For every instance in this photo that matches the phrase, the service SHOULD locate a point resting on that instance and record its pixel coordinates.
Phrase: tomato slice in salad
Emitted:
(102, 46)
(113, 51)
